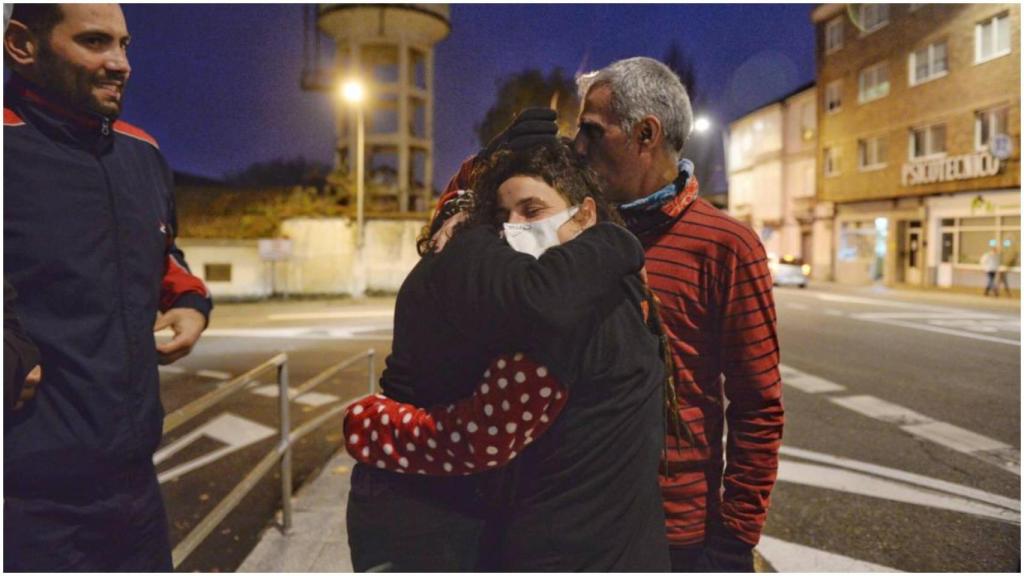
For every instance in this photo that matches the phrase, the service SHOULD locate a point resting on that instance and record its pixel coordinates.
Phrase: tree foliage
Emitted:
(527, 89)
(280, 172)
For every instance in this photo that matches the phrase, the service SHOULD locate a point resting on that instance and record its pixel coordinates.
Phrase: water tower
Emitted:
(391, 48)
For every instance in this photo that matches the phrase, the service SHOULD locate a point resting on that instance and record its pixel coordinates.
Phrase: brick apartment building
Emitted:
(919, 140)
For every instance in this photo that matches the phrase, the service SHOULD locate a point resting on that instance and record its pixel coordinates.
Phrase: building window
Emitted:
(928, 142)
(874, 82)
(217, 273)
(872, 153)
(992, 38)
(834, 35)
(928, 63)
(969, 238)
(873, 17)
(987, 124)
(831, 162)
(834, 96)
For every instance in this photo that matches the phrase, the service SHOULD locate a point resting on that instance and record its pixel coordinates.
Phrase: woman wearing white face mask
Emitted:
(585, 495)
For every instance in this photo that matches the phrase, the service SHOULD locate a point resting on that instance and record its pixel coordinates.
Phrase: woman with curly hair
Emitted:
(576, 414)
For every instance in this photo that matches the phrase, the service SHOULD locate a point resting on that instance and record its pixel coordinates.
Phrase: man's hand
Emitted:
(28, 391)
(444, 234)
(187, 325)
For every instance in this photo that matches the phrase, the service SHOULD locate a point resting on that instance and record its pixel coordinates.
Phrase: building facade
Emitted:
(771, 172)
(919, 140)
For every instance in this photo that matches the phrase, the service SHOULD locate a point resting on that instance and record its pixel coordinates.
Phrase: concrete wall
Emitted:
(250, 277)
(324, 259)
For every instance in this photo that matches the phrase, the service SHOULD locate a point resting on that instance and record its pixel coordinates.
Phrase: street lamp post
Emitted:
(354, 93)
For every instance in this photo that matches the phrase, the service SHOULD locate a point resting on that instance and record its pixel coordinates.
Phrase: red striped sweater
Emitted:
(710, 274)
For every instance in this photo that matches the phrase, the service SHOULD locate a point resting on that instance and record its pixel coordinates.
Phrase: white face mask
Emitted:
(534, 238)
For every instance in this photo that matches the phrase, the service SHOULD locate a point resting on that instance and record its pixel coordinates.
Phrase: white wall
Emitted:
(249, 276)
(323, 261)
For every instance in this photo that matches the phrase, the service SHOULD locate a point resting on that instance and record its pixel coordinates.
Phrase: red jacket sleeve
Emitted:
(515, 404)
(753, 386)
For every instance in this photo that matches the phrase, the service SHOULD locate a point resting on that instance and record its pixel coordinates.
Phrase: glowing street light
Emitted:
(702, 124)
(354, 92)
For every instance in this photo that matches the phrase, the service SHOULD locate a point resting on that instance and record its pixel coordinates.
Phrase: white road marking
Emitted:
(314, 399)
(171, 369)
(796, 306)
(807, 382)
(331, 315)
(875, 302)
(941, 330)
(953, 437)
(983, 448)
(304, 333)
(862, 484)
(233, 431)
(881, 410)
(214, 374)
(903, 476)
(788, 557)
(834, 312)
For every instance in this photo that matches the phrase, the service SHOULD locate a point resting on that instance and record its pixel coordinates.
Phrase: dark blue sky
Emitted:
(218, 85)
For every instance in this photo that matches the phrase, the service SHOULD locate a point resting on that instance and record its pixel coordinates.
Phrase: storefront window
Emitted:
(974, 243)
(1009, 248)
(856, 242)
(978, 221)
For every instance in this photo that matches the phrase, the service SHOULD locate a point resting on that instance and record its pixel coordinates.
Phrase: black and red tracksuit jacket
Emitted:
(89, 227)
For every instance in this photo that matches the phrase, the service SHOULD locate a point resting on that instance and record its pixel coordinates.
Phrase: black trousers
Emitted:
(392, 527)
(991, 286)
(117, 524)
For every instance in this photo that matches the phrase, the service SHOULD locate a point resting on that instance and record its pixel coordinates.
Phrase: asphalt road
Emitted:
(902, 442)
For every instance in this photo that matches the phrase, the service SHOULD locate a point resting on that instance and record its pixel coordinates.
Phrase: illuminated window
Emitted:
(874, 82)
(872, 153)
(988, 123)
(928, 141)
(928, 63)
(834, 35)
(992, 38)
(834, 96)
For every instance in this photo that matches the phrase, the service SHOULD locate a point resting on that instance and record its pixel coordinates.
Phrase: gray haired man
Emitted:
(711, 277)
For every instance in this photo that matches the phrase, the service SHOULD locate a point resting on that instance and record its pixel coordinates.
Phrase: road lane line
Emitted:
(335, 315)
(937, 329)
(834, 312)
(796, 306)
(315, 399)
(171, 369)
(862, 484)
(881, 410)
(788, 557)
(214, 374)
(807, 382)
(986, 449)
(903, 476)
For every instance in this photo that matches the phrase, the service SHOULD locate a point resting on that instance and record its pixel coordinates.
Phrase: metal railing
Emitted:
(281, 453)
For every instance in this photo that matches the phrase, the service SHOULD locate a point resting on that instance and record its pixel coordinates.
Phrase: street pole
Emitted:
(360, 177)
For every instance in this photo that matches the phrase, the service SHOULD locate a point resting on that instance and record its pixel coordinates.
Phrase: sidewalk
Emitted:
(319, 538)
(917, 294)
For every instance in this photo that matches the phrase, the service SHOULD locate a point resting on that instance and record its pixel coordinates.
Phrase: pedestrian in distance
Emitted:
(990, 263)
(89, 245)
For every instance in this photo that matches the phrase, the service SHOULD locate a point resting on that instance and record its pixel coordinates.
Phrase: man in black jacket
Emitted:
(89, 226)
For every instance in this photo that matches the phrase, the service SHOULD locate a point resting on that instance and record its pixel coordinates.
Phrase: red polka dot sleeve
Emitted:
(517, 402)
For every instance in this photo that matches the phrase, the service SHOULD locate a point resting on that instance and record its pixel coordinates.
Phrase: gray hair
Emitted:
(645, 87)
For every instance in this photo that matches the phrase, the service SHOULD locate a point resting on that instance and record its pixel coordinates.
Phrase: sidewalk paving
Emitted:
(318, 541)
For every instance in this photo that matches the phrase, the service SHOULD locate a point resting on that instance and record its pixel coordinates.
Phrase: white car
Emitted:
(788, 270)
